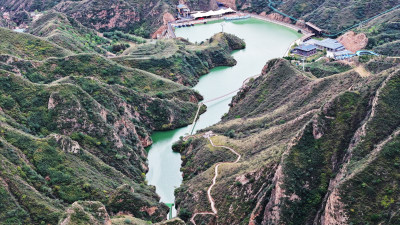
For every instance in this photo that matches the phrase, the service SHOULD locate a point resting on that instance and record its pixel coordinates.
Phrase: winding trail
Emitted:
(208, 135)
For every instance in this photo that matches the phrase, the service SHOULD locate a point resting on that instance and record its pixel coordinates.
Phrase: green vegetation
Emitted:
(119, 35)
(28, 47)
(77, 108)
(385, 120)
(383, 34)
(181, 61)
(308, 168)
(323, 69)
(371, 196)
(68, 33)
(73, 127)
(296, 130)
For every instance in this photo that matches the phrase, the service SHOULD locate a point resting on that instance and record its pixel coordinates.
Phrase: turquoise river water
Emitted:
(264, 41)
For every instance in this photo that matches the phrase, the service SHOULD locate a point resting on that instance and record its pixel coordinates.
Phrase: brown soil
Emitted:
(352, 41)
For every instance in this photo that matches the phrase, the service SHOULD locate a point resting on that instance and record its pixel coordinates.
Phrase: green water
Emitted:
(264, 41)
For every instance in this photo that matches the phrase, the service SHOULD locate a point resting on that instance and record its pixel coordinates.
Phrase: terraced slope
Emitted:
(181, 61)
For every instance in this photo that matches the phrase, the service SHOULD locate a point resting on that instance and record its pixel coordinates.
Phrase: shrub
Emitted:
(230, 133)
(184, 214)
(160, 95)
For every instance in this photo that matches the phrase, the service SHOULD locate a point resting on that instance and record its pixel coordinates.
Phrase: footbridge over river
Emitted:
(190, 133)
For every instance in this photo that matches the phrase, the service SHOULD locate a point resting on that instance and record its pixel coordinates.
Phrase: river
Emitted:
(264, 41)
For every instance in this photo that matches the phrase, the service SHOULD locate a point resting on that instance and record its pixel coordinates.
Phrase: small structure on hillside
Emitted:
(183, 10)
(345, 54)
(313, 28)
(330, 45)
(305, 50)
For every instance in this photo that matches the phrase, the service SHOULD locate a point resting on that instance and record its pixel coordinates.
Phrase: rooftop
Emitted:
(330, 43)
(181, 6)
(306, 48)
(344, 52)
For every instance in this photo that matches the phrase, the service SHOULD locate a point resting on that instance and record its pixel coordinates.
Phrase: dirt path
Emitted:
(362, 71)
(208, 135)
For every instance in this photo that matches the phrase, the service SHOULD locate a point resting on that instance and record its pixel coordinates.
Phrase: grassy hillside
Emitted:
(299, 137)
(105, 132)
(73, 127)
(384, 34)
(68, 33)
(28, 47)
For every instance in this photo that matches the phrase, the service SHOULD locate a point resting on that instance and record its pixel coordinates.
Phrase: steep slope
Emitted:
(28, 47)
(340, 14)
(68, 33)
(63, 169)
(384, 34)
(137, 17)
(296, 137)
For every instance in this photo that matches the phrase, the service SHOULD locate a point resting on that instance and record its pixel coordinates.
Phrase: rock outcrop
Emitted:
(86, 212)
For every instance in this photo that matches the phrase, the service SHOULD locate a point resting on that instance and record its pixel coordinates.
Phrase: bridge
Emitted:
(190, 133)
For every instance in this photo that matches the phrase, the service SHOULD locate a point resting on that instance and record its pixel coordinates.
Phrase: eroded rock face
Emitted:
(122, 15)
(66, 144)
(278, 17)
(86, 212)
(118, 14)
(352, 41)
(125, 201)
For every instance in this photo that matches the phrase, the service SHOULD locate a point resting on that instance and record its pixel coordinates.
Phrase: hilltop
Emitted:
(181, 61)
